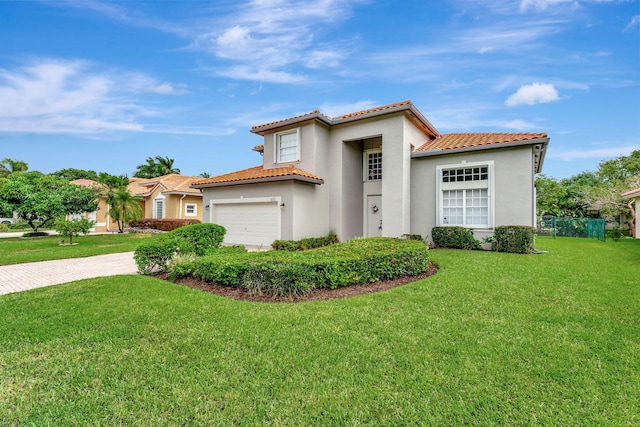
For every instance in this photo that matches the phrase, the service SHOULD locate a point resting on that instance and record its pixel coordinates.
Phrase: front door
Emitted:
(374, 216)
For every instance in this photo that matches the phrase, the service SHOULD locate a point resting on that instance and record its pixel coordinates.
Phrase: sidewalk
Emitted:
(21, 277)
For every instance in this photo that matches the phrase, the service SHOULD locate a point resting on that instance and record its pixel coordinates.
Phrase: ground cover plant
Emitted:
(491, 339)
(15, 250)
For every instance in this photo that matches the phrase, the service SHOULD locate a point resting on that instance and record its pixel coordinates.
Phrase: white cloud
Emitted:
(635, 22)
(541, 4)
(242, 72)
(535, 93)
(334, 110)
(73, 97)
(598, 153)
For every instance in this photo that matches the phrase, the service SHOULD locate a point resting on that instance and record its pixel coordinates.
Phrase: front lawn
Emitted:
(15, 250)
(491, 339)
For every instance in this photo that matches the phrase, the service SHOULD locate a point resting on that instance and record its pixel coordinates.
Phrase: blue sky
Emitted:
(104, 85)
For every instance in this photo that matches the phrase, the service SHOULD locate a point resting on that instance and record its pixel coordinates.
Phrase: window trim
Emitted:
(365, 165)
(186, 209)
(276, 145)
(488, 184)
(155, 206)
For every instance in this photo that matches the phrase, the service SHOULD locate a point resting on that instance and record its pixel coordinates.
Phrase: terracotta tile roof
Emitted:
(631, 193)
(310, 115)
(172, 183)
(373, 110)
(262, 174)
(462, 140)
(89, 183)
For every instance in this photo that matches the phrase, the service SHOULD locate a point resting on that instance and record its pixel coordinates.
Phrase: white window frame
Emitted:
(365, 165)
(186, 209)
(488, 184)
(276, 145)
(155, 207)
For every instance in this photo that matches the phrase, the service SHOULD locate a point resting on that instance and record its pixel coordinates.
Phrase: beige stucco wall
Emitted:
(174, 205)
(637, 209)
(514, 200)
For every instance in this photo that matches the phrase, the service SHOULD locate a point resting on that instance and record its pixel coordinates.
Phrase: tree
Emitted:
(124, 207)
(39, 199)
(71, 174)
(205, 175)
(72, 227)
(8, 166)
(113, 182)
(155, 167)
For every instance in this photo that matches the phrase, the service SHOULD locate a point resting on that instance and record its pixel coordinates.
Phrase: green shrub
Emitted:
(514, 239)
(163, 224)
(454, 237)
(70, 228)
(155, 254)
(280, 273)
(36, 234)
(4, 228)
(412, 237)
(305, 244)
(616, 233)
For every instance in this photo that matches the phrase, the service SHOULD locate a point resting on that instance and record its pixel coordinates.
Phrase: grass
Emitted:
(15, 250)
(492, 339)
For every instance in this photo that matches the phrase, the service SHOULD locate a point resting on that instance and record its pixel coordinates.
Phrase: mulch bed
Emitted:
(314, 295)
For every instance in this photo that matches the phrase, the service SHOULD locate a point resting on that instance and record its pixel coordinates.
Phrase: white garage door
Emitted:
(249, 223)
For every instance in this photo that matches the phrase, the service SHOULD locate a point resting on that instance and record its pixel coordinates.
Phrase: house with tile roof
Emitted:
(633, 197)
(385, 171)
(168, 196)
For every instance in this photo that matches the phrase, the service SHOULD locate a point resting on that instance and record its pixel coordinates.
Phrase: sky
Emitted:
(102, 85)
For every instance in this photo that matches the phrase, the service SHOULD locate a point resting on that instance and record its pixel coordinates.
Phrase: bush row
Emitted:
(162, 224)
(279, 273)
(304, 244)
(156, 253)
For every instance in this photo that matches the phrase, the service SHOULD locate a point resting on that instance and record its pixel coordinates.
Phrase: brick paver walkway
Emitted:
(21, 277)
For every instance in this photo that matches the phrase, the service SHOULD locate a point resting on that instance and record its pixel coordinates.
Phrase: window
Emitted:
(287, 146)
(158, 208)
(464, 195)
(373, 165)
(190, 209)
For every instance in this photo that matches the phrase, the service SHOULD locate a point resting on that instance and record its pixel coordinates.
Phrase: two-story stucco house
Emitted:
(384, 171)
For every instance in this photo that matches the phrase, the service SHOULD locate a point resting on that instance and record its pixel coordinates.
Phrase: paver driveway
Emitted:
(21, 277)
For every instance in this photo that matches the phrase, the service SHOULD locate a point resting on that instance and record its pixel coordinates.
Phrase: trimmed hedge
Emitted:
(281, 273)
(163, 224)
(156, 253)
(304, 244)
(516, 239)
(454, 237)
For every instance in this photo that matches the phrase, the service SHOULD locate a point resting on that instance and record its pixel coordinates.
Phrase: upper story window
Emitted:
(373, 165)
(287, 146)
(475, 173)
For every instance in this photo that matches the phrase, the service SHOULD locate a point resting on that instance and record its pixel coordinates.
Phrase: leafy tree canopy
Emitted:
(39, 199)
(8, 166)
(155, 167)
(71, 174)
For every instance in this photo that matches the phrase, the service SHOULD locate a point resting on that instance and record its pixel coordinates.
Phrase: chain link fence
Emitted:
(593, 228)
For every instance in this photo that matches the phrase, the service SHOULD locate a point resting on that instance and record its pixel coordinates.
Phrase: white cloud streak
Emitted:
(598, 153)
(535, 93)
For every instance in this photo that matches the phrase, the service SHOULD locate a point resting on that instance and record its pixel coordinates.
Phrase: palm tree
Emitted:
(155, 167)
(124, 207)
(9, 166)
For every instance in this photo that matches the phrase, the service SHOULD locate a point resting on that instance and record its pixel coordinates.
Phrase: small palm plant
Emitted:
(124, 207)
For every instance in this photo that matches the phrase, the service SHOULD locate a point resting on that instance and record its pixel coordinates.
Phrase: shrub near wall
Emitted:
(454, 237)
(514, 239)
(156, 253)
(163, 224)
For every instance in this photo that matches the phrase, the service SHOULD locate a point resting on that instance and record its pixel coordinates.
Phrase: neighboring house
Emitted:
(100, 216)
(168, 196)
(634, 198)
(384, 171)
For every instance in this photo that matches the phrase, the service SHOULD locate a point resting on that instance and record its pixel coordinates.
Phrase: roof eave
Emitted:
(259, 180)
(631, 194)
(316, 115)
(540, 153)
(186, 193)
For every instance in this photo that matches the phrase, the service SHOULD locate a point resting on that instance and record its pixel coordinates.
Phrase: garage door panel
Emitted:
(249, 223)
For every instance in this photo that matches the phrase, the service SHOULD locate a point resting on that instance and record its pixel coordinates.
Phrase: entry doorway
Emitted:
(374, 215)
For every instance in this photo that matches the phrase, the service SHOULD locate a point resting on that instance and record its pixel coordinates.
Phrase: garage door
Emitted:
(249, 223)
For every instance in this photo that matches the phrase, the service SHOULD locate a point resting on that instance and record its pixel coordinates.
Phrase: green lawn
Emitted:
(15, 250)
(492, 339)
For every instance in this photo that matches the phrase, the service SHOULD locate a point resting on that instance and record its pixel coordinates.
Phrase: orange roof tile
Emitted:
(462, 140)
(260, 173)
(89, 183)
(172, 183)
(373, 110)
(310, 115)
